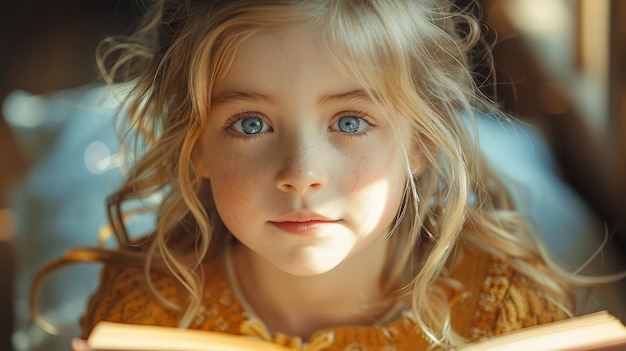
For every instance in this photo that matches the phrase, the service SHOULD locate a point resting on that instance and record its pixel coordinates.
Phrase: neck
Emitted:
(349, 294)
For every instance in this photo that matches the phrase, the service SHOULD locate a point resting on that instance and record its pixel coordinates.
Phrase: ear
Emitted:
(199, 161)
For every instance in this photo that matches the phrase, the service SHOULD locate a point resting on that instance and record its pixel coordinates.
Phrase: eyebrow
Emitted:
(232, 96)
(358, 94)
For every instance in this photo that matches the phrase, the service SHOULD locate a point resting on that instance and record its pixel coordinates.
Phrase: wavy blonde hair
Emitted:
(411, 56)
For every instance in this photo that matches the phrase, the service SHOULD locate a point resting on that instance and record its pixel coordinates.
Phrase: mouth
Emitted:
(302, 223)
(303, 228)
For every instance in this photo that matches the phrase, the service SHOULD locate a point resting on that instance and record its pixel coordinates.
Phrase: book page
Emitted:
(588, 332)
(130, 337)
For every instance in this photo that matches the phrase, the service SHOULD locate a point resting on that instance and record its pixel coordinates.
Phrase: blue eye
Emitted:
(250, 125)
(350, 124)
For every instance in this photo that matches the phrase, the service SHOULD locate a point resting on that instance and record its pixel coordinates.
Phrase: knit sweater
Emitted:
(495, 299)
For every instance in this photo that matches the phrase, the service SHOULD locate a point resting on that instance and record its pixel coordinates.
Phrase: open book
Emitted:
(595, 331)
(107, 336)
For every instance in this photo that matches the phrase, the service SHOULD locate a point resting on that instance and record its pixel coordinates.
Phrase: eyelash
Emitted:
(356, 113)
(359, 114)
(238, 117)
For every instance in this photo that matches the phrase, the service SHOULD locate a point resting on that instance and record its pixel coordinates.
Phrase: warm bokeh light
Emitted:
(571, 40)
(541, 17)
(8, 224)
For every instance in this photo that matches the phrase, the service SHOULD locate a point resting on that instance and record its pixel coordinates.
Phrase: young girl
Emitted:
(321, 186)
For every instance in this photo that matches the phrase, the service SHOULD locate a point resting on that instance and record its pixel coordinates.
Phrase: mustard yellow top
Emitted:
(496, 300)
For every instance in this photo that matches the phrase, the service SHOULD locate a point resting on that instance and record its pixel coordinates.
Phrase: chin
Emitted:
(310, 266)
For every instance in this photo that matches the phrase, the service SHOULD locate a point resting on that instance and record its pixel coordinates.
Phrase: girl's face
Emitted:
(305, 170)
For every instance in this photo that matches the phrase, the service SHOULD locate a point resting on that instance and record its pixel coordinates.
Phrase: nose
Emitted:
(303, 166)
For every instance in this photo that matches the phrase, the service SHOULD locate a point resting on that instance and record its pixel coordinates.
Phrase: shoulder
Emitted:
(497, 298)
(126, 295)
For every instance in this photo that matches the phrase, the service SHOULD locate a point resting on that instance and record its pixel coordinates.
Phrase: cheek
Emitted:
(376, 190)
(235, 184)
(377, 183)
(383, 165)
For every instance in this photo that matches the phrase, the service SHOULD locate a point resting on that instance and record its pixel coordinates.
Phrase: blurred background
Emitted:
(560, 68)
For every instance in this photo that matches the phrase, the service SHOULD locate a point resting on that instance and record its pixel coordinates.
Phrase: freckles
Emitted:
(375, 167)
(391, 157)
(235, 182)
(233, 193)
(361, 170)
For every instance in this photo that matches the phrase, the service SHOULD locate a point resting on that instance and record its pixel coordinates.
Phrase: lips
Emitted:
(302, 223)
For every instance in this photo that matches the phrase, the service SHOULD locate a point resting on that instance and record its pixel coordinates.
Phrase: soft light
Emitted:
(24, 110)
(540, 17)
(97, 157)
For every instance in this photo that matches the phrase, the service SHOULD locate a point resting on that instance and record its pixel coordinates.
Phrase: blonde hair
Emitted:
(411, 56)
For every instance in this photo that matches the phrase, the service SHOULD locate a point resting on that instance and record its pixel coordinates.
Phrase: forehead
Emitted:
(289, 58)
